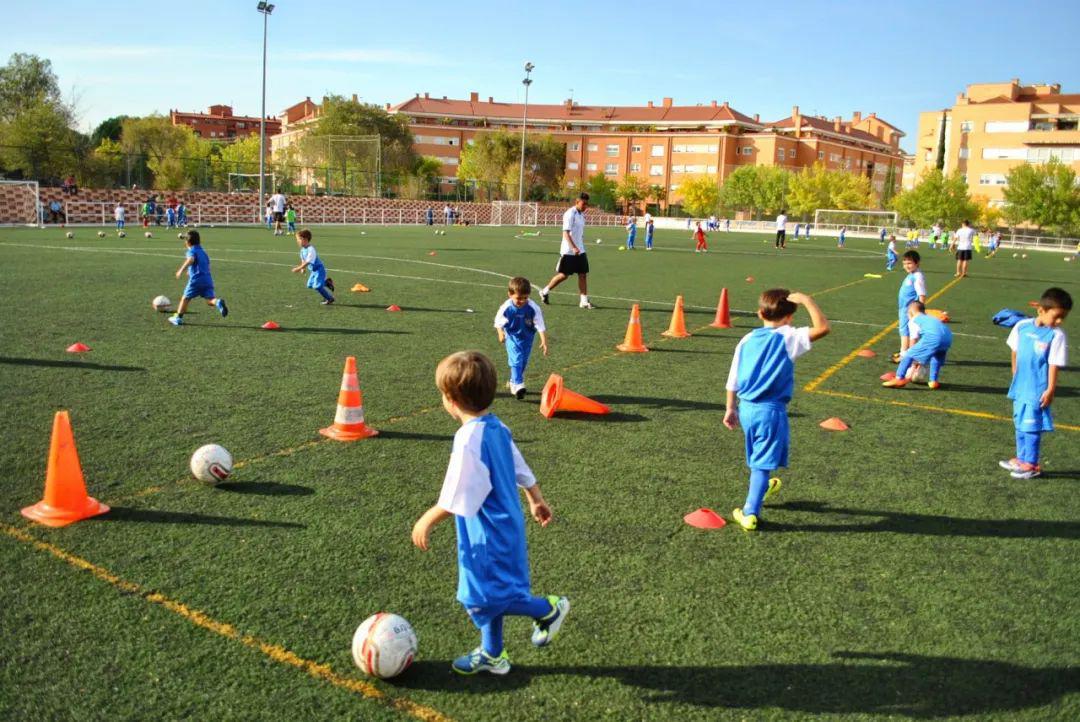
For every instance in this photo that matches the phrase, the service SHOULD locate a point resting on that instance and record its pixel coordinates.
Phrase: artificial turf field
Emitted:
(899, 573)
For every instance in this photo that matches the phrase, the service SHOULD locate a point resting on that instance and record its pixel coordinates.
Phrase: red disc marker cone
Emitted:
(393, 307)
(866, 353)
(888, 376)
(834, 424)
(677, 329)
(65, 500)
(271, 326)
(556, 397)
(633, 343)
(349, 421)
(723, 312)
(704, 519)
(77, 348)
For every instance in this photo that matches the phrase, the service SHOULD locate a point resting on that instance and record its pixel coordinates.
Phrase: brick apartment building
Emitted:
(219, 122)
(993, 127)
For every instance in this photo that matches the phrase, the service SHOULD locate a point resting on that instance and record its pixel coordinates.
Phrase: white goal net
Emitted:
(514, 213)
(19, 203)
(856, 221)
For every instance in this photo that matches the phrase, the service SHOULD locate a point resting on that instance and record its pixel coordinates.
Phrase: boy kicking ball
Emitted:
(480, 491)
(763, 377)
(932, 341)
(200, 284)
(310, 261)
(517, 322)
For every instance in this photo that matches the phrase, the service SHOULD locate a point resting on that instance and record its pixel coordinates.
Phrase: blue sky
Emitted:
(896, 59)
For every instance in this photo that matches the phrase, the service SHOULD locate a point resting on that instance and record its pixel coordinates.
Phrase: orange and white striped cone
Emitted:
(349, 421)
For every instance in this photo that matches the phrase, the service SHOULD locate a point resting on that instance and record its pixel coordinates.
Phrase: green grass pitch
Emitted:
(899, 573)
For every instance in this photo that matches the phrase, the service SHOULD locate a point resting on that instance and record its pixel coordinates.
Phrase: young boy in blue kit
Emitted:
(762, 376)
(890, 254)
(631, 232)
(480, 491)
(310, 261)
(649, 225)
(932, 341)
(1039, 352)
(913, 288)
(517, 322)
(200, 284)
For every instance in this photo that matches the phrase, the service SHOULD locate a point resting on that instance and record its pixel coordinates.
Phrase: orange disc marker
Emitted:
(704, 519)
(866, 353)
(77, 348)
(834, 424)
(271, 326)
(393, 307)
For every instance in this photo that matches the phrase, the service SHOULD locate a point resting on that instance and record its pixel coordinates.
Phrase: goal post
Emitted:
(866, 221)
(249, 182)
(514, 213)
(20, 203)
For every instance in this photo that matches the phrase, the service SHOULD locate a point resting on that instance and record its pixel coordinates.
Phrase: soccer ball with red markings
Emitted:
(384, 645)
(919, 374)
(211, 464)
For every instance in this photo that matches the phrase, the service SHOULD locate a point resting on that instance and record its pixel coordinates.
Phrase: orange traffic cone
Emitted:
(66, 500)
(833, 424)
(556, 397)
(677, 329)
(723, 312)
(349, 421)
(633, 343)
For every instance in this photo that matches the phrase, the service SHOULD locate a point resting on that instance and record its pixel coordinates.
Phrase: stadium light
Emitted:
(524, 118)
(265, 8)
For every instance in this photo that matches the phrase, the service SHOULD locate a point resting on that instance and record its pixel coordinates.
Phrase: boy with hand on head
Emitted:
(762, 376)
(890, 254)
(517, 322)
(649, 225)
(310, 260)
(480, 491)
(913, 288)
(932, 341)
(200, 284)
(631, 232)
(1039, 352)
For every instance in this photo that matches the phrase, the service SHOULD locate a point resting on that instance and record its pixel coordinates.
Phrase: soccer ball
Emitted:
(363, 233)
(1068, 259)
(148, 234)
(101, 234)
(1023, 255)
(211, 464)
(384, 645)
(194, 225)
(69, 234)
(919, 374)
(161, 303)
(181, 236)
(121, 234)
(599, 241)
(1016, 255)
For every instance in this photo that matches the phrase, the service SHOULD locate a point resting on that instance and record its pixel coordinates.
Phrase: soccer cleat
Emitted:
(327, 302)
(1012, 464)
(544, 296)
(774, 487)
(480, 661)
(934, 385)
(545, 629)
(222, 308)
(895, 383)
(586, 304)
(746, 521)
(520, 393)
(176, 320)
(896, 357)
(1026, 471)
(330, 284)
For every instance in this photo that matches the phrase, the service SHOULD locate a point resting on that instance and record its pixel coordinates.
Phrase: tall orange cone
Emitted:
(349, 421)
(723, 312)
(633, 342)
(556, 397)
(66, 500)
(677, 329)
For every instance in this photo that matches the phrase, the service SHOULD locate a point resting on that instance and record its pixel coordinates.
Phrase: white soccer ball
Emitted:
(121, 234)
(363, 233)
(918, 374)
(599, 241)
(161, 303)
(384, 645)
(181, 236)
(1023, 255)
(148, 234)
(69, 234)
(211, 464)
(1016, 255)
(101, 234)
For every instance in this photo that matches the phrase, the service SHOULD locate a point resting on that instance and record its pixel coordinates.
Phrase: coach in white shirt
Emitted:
(781, 230)
(572, 258)
(964, 241)
(277, 207)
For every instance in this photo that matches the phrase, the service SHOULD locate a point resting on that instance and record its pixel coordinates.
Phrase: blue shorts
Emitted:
(199, 289)
(923, 352)
(904, 323)
(1032, 418)
(482, 616)
(767, 435)
(317, 277)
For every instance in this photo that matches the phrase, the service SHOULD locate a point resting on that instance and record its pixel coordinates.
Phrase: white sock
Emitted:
(545, 291)
(584, 298)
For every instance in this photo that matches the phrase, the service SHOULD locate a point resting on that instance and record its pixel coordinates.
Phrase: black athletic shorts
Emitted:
(571, 264)
(278, 217)
(963, 255)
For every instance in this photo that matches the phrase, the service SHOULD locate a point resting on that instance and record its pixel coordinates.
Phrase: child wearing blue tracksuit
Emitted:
(181, 215)
(913, 288)
(840, 239)
(631, 233)
(310, 261)
(170, 217)
(517, 322)
(1039, 352)
(648, 232)
(890, 254)
(762, 376)
(480, 491)
(200, 283)
(932, 341)
(881, 235)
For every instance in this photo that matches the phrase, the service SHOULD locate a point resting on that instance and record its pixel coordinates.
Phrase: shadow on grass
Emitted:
(887, 683)
(265, 488)
(924, 524)
(972, 389)
(1073, 474)
(991, 364)
(155, 516)
(414, 436)
(53, 363)
(419, 309)
(668, 349)
(655, 402)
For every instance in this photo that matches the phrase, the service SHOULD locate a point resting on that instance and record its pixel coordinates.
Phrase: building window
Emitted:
(992, 179)
(821, 155)
(1065, 155)
(678, 168)
(635, 167)
(636, 148)
(694, 148)
(1005, 154)
(592, 147)
(239, 125)
(572, 165)
(612, 150)
(1007, 126)
(655, 170)
(695, 169)
(780, 153)
(747, 150)
(590, 166)
(834, 157)
(575, 147)
(847, 163)
(611, 168)
(964, 153)
(966, 126)
(674, 186)
(658, 151)
(448, 160)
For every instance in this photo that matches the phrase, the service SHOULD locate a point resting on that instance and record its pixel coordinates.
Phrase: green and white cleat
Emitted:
(480, 661)
(545, 629)
(746, 521)
(774, 487)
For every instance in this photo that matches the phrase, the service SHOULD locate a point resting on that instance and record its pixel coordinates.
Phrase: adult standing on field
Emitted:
(572, 257)
(781, 230)
(277, 206)
(965, 241)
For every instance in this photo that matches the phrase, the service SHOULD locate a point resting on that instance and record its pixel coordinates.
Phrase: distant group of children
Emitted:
(171, 214)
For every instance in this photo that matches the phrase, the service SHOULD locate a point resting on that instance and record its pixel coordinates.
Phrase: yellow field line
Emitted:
(201, 619)
(837, 288)
(827, 373)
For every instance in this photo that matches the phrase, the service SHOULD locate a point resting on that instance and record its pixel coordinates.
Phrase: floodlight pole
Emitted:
(524, 119)
(265, 9)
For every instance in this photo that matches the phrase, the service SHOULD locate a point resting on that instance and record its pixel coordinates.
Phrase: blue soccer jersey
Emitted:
(1037, 349)
(931, 332)
(481, 491)
(520, 323)
(914, 285)
(308, 254)
(763, 368)
(199, 270)
(631, 229)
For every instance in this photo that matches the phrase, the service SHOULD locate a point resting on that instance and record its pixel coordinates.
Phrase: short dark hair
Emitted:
(913, 256)
(774, 304)
(305, 234)
(193, 238)
(519, 285)
(584, 197)
(1056, 298)
(468, 379)
(919, 305)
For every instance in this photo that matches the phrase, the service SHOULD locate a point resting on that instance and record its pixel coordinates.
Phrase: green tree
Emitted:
(110, 129)
(1044, 195)
(937, 197)
(757, 189)
(939, 157)
(494, 159)
(888, 191)
(631, 191)
(701, 196)
(39, 142)
(424, 180)
(659, 195)
(602, 192)
(173, 153)
(27, 81)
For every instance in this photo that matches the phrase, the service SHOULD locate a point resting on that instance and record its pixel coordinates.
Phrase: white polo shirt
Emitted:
(574, 222)
(278, 202)
(964, 238)
(781, 222)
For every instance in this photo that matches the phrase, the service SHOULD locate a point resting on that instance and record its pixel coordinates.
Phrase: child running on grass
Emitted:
(480, 491)
(762, 376)
(932, 341)
(1039, 352)
(913, 288)
(310, 260)
(517, 322)
(699, 238)
(200, 284)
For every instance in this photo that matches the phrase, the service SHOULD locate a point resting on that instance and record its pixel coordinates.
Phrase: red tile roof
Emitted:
(1056, 98)
(812, 122)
